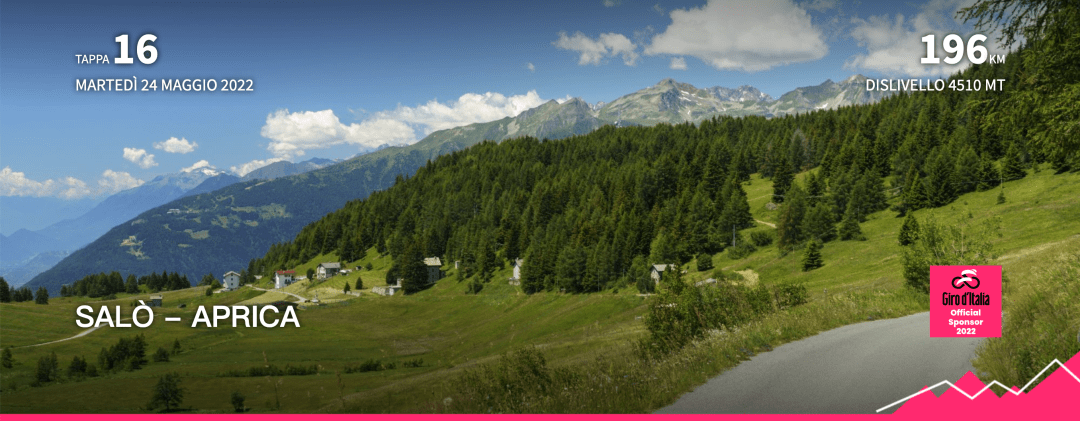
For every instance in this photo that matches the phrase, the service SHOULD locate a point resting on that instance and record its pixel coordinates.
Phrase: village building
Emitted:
(657, 272)
(434, 267)
(230, 280)
(516, 278)
(283, 278)
(328, 269)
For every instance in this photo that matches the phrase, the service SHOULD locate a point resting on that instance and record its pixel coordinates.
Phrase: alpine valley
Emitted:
(220, 230)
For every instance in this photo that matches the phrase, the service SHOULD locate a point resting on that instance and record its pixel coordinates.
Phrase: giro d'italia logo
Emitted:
(965, 301)
(967, 278)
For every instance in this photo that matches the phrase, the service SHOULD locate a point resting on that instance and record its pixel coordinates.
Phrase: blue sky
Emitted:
(333, 79)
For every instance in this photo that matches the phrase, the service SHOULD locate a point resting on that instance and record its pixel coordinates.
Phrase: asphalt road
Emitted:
(853, 369)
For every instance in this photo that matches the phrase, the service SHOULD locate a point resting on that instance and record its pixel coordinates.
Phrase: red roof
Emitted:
(286, 272)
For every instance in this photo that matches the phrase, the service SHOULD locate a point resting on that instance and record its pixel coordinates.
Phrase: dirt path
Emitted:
(84, 333)
(766, 223)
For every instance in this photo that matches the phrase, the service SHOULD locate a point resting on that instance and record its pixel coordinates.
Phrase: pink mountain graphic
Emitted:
(1053, 398)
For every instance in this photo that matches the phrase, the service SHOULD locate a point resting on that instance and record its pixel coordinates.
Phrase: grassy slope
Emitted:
(451, 330)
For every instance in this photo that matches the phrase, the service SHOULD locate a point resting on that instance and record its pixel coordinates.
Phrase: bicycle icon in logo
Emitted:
(967, 277)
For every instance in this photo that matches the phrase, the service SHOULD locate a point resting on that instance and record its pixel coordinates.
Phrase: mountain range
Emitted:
(221, 229)
(26, 253)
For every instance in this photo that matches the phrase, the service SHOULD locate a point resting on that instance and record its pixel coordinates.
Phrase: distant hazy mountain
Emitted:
(34, 213)
(220, 231)
(24, 271)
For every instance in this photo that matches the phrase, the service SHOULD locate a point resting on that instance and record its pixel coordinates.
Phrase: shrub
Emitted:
(128, 353)
(680, 313)
(740, 250)
(48, 368)
(364, 367)
(273, 370)
(237, 400)
(77, 368)
(943, 245)
(161, 355)
(1041, 325)
(704, 262)
(790, 295)
(413, 363)
(762, 238)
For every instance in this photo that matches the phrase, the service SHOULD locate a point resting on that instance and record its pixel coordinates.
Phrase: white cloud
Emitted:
(678, 63)
(201, 166)
(658, 9)
(15, 183)
(739, 35)
(818, 5)
(174, 145)
(116, 181)
(292, 134)
(246, 168)
(531, 67)
(611, 3)
(894, 44)
(140, 157)
(594, 51)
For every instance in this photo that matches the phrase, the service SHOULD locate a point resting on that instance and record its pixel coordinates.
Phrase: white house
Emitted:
(328, 269)
(516, 279)
(658, 271)
(434, 266)
(231, 280)
(283, 278)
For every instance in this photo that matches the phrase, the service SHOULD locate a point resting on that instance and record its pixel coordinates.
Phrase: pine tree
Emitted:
(1001, 197)
(662, 250)
(849, 227)
(132, 285)
(1011, 166)
(347, 288)
(167, 393)
(812, 256)
(909, 232)
(640, 275)
(412, 270)
(986, 175)
(782, 178)
(5, 291)
(359, 283)
(736, 211)
(790, 225)
(819, 222)
(42, 296)
(815, 185)
(915, 195)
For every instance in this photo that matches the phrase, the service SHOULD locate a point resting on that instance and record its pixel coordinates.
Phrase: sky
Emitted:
(334, 79)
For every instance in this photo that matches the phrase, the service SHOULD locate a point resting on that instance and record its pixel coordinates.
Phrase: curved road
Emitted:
(852, 369)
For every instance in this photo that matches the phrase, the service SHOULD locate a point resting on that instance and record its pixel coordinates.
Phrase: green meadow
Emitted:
(455, 333)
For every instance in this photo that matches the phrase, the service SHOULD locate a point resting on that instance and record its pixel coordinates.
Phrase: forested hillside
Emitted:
(591, 210)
